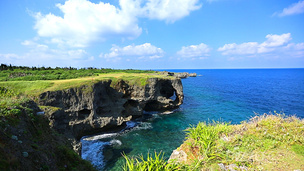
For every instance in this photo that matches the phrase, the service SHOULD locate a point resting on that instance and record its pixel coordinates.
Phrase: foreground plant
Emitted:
(265, 142)
(151, 163)
(254, 144)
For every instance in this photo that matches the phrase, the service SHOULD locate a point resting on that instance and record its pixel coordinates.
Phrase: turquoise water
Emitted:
(222, 95)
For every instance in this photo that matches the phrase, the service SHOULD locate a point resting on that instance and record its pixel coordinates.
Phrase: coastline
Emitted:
(159, 88)
(218, 80)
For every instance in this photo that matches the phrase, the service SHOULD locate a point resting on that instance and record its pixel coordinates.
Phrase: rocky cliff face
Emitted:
(90, 109)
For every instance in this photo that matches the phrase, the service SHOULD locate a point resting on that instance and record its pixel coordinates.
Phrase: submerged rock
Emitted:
(25, 154)
(14, 137)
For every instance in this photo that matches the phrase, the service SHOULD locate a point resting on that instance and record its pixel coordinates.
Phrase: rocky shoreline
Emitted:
(89, 110)
(104, 106)
(179, 74)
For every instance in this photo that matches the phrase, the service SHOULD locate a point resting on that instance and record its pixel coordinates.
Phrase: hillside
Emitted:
(265, 142)
(43, 117)
(33, 81)
(28, 143)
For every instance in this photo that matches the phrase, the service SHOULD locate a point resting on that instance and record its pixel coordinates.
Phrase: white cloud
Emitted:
(275, 45)
(202, 50)
(170, 10)
(273, 42)
(143, 51)
(276, 40)
(84, 22)
(295, 50)
(244, 48)
(41, 54)
(296, 8)
(8, 57)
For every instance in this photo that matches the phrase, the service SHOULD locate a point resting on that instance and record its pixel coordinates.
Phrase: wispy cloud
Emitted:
(275, 44)
(296, 8)
(41, 54)
(144, 51)
(194, 51)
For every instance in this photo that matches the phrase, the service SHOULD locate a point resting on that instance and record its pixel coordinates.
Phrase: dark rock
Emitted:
(88, 110)
(25, 154)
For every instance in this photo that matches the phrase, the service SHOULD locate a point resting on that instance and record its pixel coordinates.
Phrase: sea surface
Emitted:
(228, 95)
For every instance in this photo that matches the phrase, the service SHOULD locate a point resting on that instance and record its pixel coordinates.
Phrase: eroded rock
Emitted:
(87, 110)
(178, 156)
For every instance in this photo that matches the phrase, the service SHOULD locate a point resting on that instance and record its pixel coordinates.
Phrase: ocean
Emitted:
(226, 95)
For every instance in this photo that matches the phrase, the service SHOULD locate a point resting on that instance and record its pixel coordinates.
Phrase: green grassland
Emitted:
(265, 142)
(19, 86)
(21, 73)
(34, 81)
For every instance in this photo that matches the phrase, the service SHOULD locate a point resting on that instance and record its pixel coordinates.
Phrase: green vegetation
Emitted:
(27, 141)
(31, 82)
(21, 73)
(155, 162)
(266, 142)
(11, 109)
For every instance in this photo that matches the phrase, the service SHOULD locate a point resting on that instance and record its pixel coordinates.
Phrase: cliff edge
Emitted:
(91, 109)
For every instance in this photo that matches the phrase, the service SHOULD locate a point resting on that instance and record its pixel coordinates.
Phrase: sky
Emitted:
(153, 34)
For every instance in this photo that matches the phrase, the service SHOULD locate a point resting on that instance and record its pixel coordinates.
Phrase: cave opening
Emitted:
(167, 89)
(152, 105)
(82, 114)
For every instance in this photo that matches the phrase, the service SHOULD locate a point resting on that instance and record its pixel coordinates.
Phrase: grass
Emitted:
(19, 80)
(265, 142)
(34, 88)
(48, 149)
(150, 163)
(21, 73)
(10, 110)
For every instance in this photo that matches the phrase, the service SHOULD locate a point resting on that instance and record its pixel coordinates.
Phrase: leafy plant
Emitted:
(299, 149)
(205, 137)
(151, 163)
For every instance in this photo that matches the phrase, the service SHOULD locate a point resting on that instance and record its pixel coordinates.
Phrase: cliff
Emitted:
(28, 143)
(90, 109)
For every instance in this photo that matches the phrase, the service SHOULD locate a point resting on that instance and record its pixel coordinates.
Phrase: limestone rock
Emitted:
(178, 156)
(88, 110)
(179, 74)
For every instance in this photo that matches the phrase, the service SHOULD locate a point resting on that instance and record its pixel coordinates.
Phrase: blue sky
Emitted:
(153, 34)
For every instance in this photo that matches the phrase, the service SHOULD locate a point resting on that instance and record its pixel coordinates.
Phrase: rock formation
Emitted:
(105, 105)
(179, 74)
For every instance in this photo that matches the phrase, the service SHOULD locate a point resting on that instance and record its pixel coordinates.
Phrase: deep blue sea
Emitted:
(229, 95)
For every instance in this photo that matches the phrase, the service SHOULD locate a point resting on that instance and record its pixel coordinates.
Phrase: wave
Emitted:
(115, 142)
(167, 113)
(101, 136)
(93, 152)
(143, 125)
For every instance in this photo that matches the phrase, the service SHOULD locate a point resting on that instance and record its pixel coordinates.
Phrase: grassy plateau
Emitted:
(34, 81)
(26, 140)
